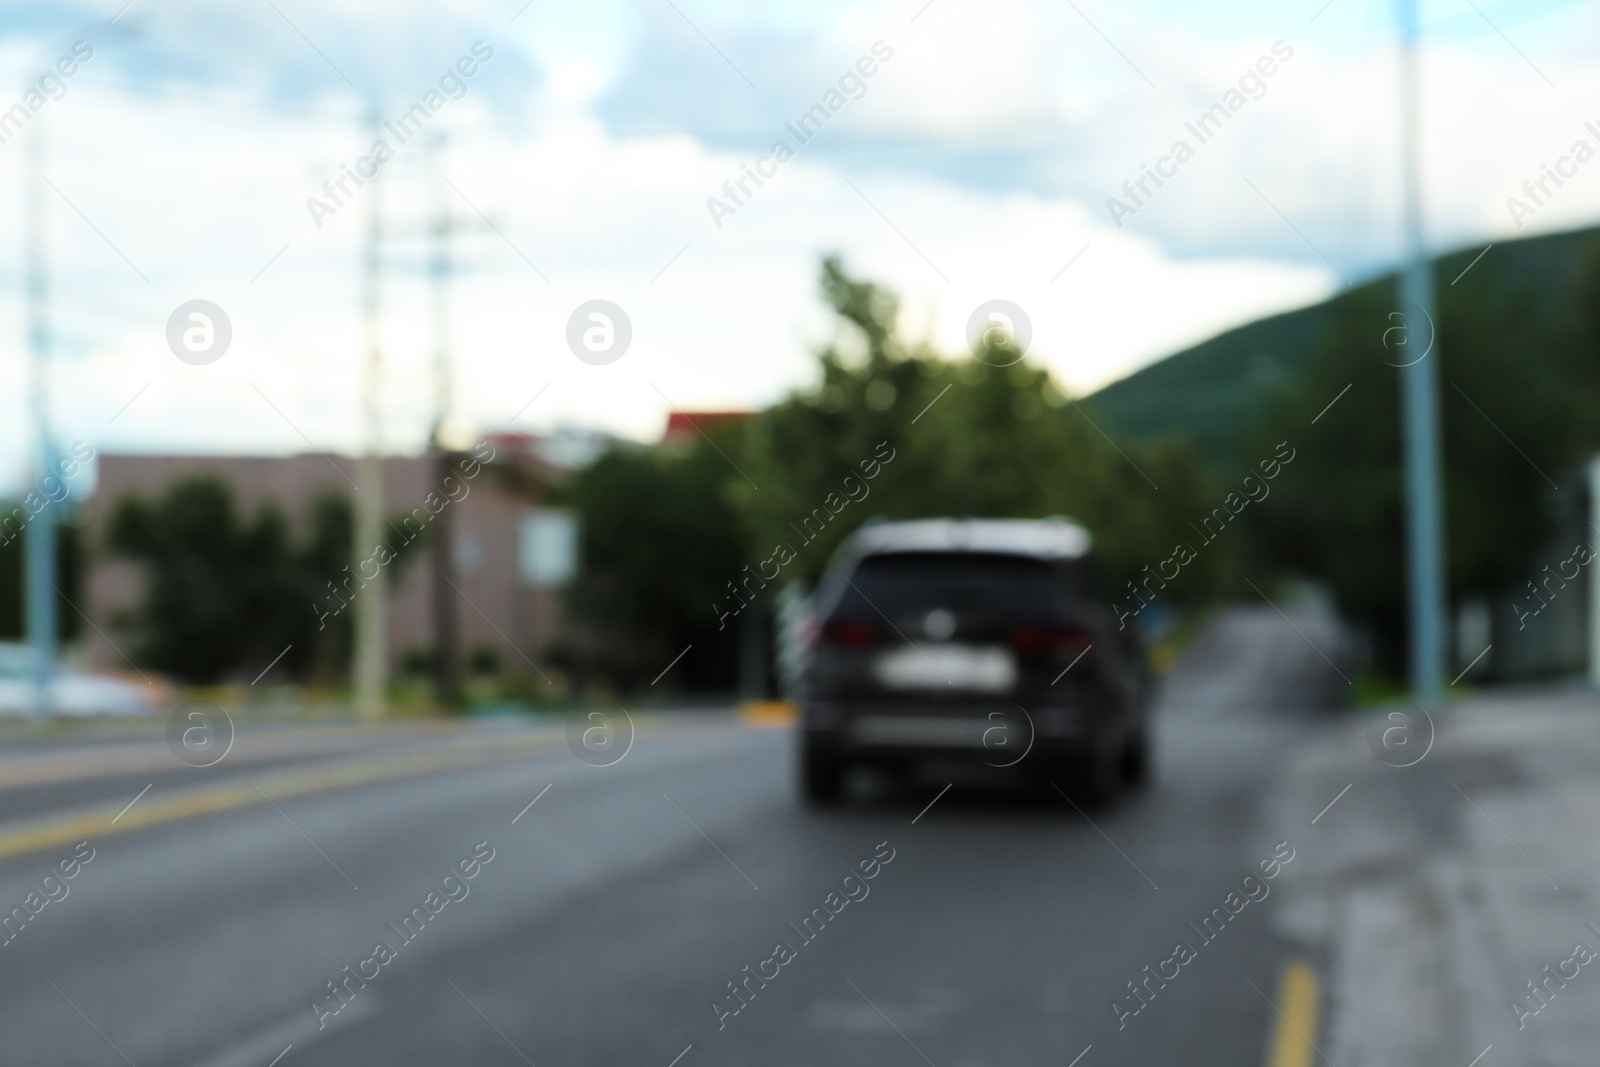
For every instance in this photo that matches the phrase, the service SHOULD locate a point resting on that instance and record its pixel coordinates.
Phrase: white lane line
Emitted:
(685, 1052)
(531, 803)
(279, 1056)
(1331, 803)
(1080, 1056)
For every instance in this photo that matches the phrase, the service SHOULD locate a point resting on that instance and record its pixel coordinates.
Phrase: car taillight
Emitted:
(853, 634)
(1043, 640)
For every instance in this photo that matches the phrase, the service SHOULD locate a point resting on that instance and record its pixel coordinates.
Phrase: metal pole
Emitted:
(446, 638)
(1419, 399)
(371, 614)
(39, 543)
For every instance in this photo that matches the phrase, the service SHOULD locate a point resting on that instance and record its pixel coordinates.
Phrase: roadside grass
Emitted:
(1370, 690)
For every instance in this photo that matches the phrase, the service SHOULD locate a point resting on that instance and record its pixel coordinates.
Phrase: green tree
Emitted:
(226, 594)
(660, 541)
(322, 644)
(669, 531)
(1517, 374)
(216, 585)
(991, 436)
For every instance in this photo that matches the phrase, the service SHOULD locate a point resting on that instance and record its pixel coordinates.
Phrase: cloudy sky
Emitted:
(974, 164)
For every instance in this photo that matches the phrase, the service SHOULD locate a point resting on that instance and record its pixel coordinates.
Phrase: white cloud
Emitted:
(200, 194)
(728, 324)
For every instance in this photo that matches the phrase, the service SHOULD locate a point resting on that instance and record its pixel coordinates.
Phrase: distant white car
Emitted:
(72, 692)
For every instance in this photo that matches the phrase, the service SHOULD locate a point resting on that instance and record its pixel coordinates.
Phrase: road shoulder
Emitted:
(1431, 894)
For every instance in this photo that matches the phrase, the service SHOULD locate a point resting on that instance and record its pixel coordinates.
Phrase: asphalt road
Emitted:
(616, 909)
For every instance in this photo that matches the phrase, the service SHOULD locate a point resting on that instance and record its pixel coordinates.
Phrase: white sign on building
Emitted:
(547, 548)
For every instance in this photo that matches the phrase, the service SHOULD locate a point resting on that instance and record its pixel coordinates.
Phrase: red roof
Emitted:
(681, 425)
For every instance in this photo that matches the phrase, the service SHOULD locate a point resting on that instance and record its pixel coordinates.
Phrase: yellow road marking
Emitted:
(769, 712)
(142, 754)
(70, 829)
(24, 836)
(1294, 1043)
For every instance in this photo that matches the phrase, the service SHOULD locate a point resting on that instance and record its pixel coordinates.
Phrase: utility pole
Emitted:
(371, 614)
(39, 539)
(446, 637)
(1420, 402)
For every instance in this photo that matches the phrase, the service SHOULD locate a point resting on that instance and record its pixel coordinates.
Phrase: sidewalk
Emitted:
(1429, 896)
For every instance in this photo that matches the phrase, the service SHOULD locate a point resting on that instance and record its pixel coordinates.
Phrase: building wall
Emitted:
(494, 606)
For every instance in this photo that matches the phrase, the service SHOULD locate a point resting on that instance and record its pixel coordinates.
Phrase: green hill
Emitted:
(1518, 370)
(1212, 393)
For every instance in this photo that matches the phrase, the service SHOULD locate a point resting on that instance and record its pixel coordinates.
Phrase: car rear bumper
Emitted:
(996, 731)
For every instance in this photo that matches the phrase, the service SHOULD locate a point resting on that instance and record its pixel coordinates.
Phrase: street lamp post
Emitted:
(1419, 402)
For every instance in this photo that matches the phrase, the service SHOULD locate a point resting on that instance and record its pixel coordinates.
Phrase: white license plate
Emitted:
(983, 669)
(946, 732)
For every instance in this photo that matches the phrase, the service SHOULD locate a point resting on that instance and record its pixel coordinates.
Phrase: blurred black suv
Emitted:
(989, 643)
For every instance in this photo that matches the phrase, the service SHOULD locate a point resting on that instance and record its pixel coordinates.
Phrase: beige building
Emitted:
(504, 602)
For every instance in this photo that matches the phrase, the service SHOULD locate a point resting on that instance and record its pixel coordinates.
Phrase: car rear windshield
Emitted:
(964, 582)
